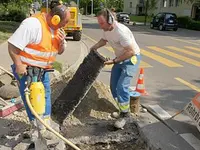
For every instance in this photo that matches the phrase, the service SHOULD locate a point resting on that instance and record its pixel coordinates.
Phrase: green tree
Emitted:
(150, 5)
(5, 3)
(117, 4)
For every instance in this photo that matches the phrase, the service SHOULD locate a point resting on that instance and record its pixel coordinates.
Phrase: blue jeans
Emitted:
(46, 82)
(121, 76)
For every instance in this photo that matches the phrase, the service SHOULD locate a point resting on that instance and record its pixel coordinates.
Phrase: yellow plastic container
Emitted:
(37, 97)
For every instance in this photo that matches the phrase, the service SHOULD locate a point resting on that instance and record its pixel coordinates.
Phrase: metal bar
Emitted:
(157, 117)
(179, 112)
(6, 71)
(1, 99)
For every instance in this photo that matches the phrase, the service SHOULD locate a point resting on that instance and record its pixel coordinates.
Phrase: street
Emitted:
(170, 61)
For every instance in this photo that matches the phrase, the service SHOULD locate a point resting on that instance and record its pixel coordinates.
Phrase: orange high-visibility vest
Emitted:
(42, 54)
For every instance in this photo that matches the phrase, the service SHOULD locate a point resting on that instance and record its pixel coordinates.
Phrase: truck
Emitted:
(74, 26)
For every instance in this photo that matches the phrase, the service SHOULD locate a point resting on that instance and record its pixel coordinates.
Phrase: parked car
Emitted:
(123, 17)
(165, 21)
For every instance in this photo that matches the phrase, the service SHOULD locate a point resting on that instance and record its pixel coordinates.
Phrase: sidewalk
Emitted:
(72, 56)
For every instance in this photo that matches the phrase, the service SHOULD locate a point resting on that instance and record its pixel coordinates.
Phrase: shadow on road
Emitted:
(170, 100)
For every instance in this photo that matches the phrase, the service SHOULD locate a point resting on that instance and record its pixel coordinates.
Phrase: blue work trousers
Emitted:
(121, 75)
(46, 82)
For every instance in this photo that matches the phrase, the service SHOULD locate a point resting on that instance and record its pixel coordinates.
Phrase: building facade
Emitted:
(179, 8)
(137, 7)
(134, 7)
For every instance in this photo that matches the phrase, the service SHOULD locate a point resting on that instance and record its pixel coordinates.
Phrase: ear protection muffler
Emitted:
(109, 18)
(56, 19)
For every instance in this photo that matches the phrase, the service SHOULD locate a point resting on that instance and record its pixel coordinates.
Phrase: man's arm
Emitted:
(128, 53)
(14, 54)
(99, 44)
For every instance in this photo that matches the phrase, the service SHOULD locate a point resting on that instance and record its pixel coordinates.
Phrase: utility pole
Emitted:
(146, 8)
(91, 7)
(78, 3)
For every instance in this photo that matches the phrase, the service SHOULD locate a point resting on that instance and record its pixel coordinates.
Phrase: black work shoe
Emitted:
(121, 121)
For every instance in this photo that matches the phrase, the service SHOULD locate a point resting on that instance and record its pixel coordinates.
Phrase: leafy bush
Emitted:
(188, 23)
(13, 15)
(96, 10)
(184, 21)
(194, 25)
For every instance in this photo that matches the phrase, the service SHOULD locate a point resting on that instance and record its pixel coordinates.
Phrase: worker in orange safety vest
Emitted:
(36, 43)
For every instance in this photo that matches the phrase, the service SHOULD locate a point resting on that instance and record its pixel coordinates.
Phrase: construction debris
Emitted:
(9, 95)
(90, 126)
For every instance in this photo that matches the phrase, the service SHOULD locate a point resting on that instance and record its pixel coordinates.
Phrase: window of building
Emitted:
(141, 1)
(131, 4)
(171, 2)
(176, 3)
(164, 2)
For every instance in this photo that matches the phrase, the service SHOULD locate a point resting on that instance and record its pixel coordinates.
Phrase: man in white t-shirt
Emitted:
(125, 63)
(35, 45)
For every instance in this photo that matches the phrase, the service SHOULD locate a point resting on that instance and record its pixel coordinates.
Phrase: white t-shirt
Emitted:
(29, 32)
(120, 37)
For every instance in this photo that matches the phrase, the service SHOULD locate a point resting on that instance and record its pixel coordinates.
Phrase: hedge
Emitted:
(13, 15)
(188, 23)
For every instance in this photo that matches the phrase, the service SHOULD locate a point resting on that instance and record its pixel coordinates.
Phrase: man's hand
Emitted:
(61, 38)
(21, 69)
(61, 35)
(109, 62)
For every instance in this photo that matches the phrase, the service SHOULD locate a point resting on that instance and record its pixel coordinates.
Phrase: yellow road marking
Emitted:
(90, 38)
(185, 59)
(193, 48)
(142, 63)
(185, 41)
(109, 48)
(160, 59)
(183, 51)
(188, 84)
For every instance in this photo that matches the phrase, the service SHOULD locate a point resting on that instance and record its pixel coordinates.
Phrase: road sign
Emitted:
(193, 110)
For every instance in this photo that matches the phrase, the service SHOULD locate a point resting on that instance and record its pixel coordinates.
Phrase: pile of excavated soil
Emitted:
(90, 127)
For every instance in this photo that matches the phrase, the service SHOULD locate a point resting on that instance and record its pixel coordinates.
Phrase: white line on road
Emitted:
(160, 112)
(192, 140)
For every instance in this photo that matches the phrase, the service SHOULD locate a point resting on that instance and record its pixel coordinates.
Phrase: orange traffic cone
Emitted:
(140, 84)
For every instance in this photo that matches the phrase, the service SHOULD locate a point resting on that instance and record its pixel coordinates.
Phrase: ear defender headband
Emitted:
(109, 17)
(56, 19)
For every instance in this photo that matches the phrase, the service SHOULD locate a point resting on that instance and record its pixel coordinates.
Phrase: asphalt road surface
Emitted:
(171, 62)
